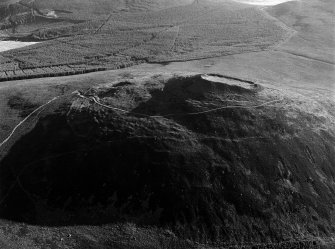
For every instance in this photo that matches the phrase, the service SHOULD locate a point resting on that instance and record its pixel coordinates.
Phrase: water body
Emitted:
(262, 2)
(8, 45)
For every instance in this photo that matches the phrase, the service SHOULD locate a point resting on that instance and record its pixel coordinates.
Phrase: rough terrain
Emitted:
(242, 159)
(201, 144)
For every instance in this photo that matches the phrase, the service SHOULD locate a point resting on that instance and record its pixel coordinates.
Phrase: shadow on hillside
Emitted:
(185, 100)
(55, 175)
(207, 178)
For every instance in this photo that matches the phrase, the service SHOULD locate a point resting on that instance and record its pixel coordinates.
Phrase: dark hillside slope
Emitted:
(210, 157)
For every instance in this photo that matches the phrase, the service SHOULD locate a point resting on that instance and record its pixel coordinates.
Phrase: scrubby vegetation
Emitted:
(173, 153)
(183, 33)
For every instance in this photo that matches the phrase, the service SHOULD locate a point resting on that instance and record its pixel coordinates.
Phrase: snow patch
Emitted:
(8, 45)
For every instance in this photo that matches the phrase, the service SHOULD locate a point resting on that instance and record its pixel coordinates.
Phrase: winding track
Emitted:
(305, 56)
(268, 103)
(37, 110)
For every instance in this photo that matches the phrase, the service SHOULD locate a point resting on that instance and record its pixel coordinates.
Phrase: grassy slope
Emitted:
(291, 63)
(271, 66)
(314, 21)
(106, 6)
(181, 33)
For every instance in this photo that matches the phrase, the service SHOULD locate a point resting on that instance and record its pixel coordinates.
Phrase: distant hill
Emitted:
(311, 20)
(5, 2)
(179, 33)
(86, 9)
(106, 6)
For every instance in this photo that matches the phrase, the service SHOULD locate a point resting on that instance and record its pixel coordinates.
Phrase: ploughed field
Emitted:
(72, 45)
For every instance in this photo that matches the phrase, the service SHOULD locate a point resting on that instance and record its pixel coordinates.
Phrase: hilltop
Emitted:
(210, 157)
(203, 126)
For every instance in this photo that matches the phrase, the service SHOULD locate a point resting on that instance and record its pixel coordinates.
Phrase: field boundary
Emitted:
(60, 70)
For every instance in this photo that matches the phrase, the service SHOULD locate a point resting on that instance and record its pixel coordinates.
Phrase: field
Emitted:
(175, 34)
